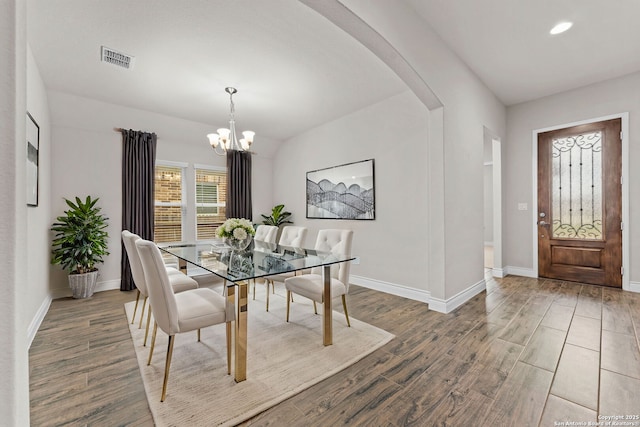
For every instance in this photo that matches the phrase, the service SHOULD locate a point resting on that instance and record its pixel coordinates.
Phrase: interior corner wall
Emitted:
(87, 159)
(590, 102)
(394, 133)
(468, 107)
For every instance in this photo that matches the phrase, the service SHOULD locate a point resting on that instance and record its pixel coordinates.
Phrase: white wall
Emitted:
(87, 159)
(394, 133)
(488, 189)
(599, 100)
(14, 304)
(456, 191)
(38, 234)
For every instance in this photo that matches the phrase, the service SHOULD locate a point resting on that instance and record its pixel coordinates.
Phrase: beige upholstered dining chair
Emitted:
(179, 281)
(311, 285)
(186, 311)
(266, 233)
(291, 236)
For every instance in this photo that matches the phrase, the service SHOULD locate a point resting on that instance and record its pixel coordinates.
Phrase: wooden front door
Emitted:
(580, 203)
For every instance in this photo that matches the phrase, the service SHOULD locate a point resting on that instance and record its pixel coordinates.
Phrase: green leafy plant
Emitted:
(80, 240)
(278, 216)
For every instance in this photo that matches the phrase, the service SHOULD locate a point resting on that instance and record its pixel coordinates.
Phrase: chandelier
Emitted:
(226, 139)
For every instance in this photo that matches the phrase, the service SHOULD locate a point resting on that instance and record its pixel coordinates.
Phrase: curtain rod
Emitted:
(253, 153)
(122, 129)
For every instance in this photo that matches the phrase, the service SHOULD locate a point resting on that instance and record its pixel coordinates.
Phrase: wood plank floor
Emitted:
(526, 352)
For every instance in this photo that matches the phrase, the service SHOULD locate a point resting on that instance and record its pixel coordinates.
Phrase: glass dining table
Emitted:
(260, 259)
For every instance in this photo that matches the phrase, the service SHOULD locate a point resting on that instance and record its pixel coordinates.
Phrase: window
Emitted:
(168, 203)
(211, 191)
(189, 201)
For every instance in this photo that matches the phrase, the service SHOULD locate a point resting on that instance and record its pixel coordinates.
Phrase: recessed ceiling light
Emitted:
(560, 28)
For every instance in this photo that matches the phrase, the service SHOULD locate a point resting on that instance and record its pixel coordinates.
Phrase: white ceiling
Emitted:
(294, 70)
(508, 45)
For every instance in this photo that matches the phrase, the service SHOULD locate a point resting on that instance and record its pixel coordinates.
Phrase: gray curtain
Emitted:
(239, 185)
(138, 165)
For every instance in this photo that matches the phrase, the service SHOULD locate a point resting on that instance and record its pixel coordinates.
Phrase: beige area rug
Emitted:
(283, 359)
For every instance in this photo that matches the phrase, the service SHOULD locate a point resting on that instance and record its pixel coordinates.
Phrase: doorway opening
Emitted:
(492, 206)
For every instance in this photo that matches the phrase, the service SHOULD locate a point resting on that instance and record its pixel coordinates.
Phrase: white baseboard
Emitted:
(391, 288)
(520, 271)
(634, 286)
(498, 272)
(435, 304)
(37, 320)
(108, 285)
(448, 305)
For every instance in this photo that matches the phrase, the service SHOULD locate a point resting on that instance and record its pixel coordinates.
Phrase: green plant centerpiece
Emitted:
(80, 242)
(278, 216)
(236, 232)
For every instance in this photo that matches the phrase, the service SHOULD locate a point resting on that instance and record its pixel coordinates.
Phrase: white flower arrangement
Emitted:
(236, 228)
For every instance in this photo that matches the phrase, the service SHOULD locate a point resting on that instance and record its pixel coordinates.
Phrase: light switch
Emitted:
(522, 206)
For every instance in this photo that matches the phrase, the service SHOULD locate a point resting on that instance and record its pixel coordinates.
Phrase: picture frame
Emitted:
(33, 156)
(342, 192)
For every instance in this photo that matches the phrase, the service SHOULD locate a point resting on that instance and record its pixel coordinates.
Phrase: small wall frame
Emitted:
(342, 192)
(33, 155)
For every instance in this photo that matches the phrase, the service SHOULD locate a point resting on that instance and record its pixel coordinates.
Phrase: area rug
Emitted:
(283, 359)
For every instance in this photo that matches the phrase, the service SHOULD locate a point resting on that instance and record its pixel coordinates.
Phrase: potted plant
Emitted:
(278, 216)
(80, 243)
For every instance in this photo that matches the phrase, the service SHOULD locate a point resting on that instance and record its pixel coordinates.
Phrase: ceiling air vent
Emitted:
(114, 57)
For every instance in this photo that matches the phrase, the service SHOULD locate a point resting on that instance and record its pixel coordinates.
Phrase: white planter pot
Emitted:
(83, 285)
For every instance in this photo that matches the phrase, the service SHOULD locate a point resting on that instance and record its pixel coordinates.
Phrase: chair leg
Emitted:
(288, 303)
(254, 289)
(228, 348)
(135, 308)
(167, 366)
(267, 282)
(144, 304)
(315, 308)
(153, 342)
(346, 313)
(146, 332)
(198, 335)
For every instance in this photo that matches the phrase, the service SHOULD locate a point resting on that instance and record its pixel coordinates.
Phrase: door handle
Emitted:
(543, 223)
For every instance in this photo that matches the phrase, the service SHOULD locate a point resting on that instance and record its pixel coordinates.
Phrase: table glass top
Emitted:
(258, 260)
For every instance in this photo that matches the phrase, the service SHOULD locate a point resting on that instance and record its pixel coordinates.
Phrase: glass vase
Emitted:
(237, 244)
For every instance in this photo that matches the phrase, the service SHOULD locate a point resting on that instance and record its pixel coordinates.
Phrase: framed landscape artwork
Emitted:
(33, 147)
(342, 192)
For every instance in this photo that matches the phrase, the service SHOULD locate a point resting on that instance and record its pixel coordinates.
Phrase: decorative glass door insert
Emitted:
(577, 186)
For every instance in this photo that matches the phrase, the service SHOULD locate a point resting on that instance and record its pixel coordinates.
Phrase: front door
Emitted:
(580, 203)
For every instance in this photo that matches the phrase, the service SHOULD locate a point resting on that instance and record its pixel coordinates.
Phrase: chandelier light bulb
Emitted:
(248, 135)
(224, 133)
(213, 139)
